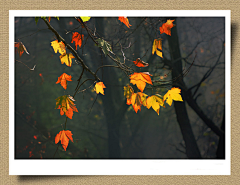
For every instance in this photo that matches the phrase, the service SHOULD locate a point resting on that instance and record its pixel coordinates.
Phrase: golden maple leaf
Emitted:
(99, 88)
(173, 94)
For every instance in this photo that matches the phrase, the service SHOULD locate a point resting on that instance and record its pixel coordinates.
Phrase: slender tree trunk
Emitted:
(192, 150)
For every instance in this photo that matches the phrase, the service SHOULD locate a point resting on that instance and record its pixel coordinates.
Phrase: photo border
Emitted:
(122, 166)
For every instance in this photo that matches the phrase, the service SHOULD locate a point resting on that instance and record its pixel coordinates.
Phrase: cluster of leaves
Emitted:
(140, 79)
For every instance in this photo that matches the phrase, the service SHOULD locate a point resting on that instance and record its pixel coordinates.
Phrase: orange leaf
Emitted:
(166, 27)
(137, 100)
(77, 38)
(99, 88)
(125, 21)
(140, 79)
(49, 19)
(64, 137)
(140, 63)
(20, 48)
(63, 80)
(66, 58)
(66, 105)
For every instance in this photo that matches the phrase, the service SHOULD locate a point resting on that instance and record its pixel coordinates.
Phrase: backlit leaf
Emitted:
(77, 38)
(173, 94)
(125, 21)
(99, 88)
(64, 136)
(63, 80)
(166, 27)
(140, 63)
(140, 80)
(85, 19)
(66, 105)
(155, 101)
(137, 100)
(66, 58)
(128, 91)
(157, 45)
(58, 47)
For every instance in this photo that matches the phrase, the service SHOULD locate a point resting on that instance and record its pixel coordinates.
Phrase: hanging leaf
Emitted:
(166, 27)
(66, 58)
(20, 48)
(128, 91)
(77, 38)
(99, 88)
(155, 101)
(137, 100)
(85, 19)
(125, 21)
(106, 47)
(66, 105)
(157, 44)
(140, 63)
(173, 94)
(140, 79)
(58, 47)
(64, 136)
(63, 80)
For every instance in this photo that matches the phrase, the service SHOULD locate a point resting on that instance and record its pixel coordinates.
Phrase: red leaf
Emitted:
(64, 137)
(125, 21)
(63, 80)
(77, 38)
(140, 63)
(166, 27)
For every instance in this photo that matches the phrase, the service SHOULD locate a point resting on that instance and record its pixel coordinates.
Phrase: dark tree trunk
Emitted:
(114, 107)
(220, 154)
(192, 150)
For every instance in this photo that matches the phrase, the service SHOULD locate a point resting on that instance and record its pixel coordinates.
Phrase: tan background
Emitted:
(232, 5)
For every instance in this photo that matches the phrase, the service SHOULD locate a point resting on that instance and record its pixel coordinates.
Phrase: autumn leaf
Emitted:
(66, 58)
(106, 47)
(128, 91)
(140, 79)
(173, 94)
(63, 80)
(20, 48)
(157, 44)
(140, 63)
(64, 136)
(66, 105)
(58, 47)
(155, 101)
(77, 38)
(137, 100)
(99, 88)
(166, 27)
(85, 19)
(125, 21)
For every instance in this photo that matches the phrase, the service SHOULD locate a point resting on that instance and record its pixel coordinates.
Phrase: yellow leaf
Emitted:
(155, 102)
(157, 44)
(173, 94)
(58, 47)
(99, 88)
(66, 58)
(85, 19)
